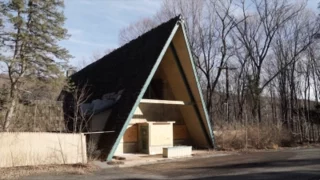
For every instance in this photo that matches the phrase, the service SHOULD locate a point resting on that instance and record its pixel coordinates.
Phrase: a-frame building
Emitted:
(149, 95)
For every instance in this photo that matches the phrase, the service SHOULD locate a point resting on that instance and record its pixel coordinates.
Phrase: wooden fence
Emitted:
(40, 148)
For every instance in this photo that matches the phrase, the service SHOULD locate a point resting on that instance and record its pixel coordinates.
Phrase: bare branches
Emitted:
(135, 30)
(77, 116)
(257, 32)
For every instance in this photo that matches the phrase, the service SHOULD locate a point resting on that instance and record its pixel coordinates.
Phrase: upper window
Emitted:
(155, 90)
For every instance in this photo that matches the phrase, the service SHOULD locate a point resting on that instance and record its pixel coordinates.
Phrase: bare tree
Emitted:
(77, 117)
(96, 55)
(135, 30)
(256, 34)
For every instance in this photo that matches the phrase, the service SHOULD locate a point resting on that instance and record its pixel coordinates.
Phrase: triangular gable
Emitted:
(135, 71)
(177, 39)
(131, 68)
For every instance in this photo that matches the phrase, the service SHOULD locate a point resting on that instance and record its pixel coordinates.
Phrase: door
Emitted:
(144, 139)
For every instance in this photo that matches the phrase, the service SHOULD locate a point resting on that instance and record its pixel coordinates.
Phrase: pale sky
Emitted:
(94, 25)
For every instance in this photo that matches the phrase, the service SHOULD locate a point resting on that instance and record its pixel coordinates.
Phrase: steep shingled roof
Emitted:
(126, 68)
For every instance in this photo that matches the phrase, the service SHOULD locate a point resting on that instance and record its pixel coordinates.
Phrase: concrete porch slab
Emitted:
(137, 159)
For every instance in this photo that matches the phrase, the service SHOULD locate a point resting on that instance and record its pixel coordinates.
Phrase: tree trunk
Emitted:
(9, 115)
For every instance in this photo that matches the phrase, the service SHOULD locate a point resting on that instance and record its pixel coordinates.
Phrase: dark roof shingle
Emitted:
(125, 68)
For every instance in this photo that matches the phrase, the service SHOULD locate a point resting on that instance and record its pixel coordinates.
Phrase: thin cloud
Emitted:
(95, 24)
(144, 6)
(86, 2)
(117, 21)
(90, 43)
(75, 32)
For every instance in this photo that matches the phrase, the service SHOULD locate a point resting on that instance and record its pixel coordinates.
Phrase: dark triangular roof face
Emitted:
(127, 68)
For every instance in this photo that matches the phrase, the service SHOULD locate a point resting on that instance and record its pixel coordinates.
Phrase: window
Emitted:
(155, 90)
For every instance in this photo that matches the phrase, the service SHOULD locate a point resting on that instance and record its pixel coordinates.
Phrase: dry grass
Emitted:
(38, 116)
(18, 172)
(253, 137)
(93, 153)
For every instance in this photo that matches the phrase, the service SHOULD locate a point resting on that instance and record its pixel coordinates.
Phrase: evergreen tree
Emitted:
(30, 49)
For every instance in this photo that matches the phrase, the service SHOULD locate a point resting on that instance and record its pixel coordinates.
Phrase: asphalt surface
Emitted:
(290, 164)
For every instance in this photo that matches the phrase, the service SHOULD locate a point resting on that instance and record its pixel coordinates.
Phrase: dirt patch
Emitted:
(18, 172)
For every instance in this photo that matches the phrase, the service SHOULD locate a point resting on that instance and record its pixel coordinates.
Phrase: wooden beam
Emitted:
(159, 101)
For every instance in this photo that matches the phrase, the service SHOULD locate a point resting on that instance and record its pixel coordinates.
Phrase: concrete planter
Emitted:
(177, 151)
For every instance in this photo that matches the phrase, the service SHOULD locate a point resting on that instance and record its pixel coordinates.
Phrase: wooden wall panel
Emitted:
(192, 122)
(131, 134)
(180, 132)
(161, 134)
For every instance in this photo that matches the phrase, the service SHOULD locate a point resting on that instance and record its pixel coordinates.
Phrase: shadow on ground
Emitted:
(305, 175)
(266, 164)
(241, 168)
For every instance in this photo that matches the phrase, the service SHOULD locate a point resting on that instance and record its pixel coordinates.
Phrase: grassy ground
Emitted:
(18, 172)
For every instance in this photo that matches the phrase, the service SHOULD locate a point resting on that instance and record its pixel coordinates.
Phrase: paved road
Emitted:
(286, 164)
